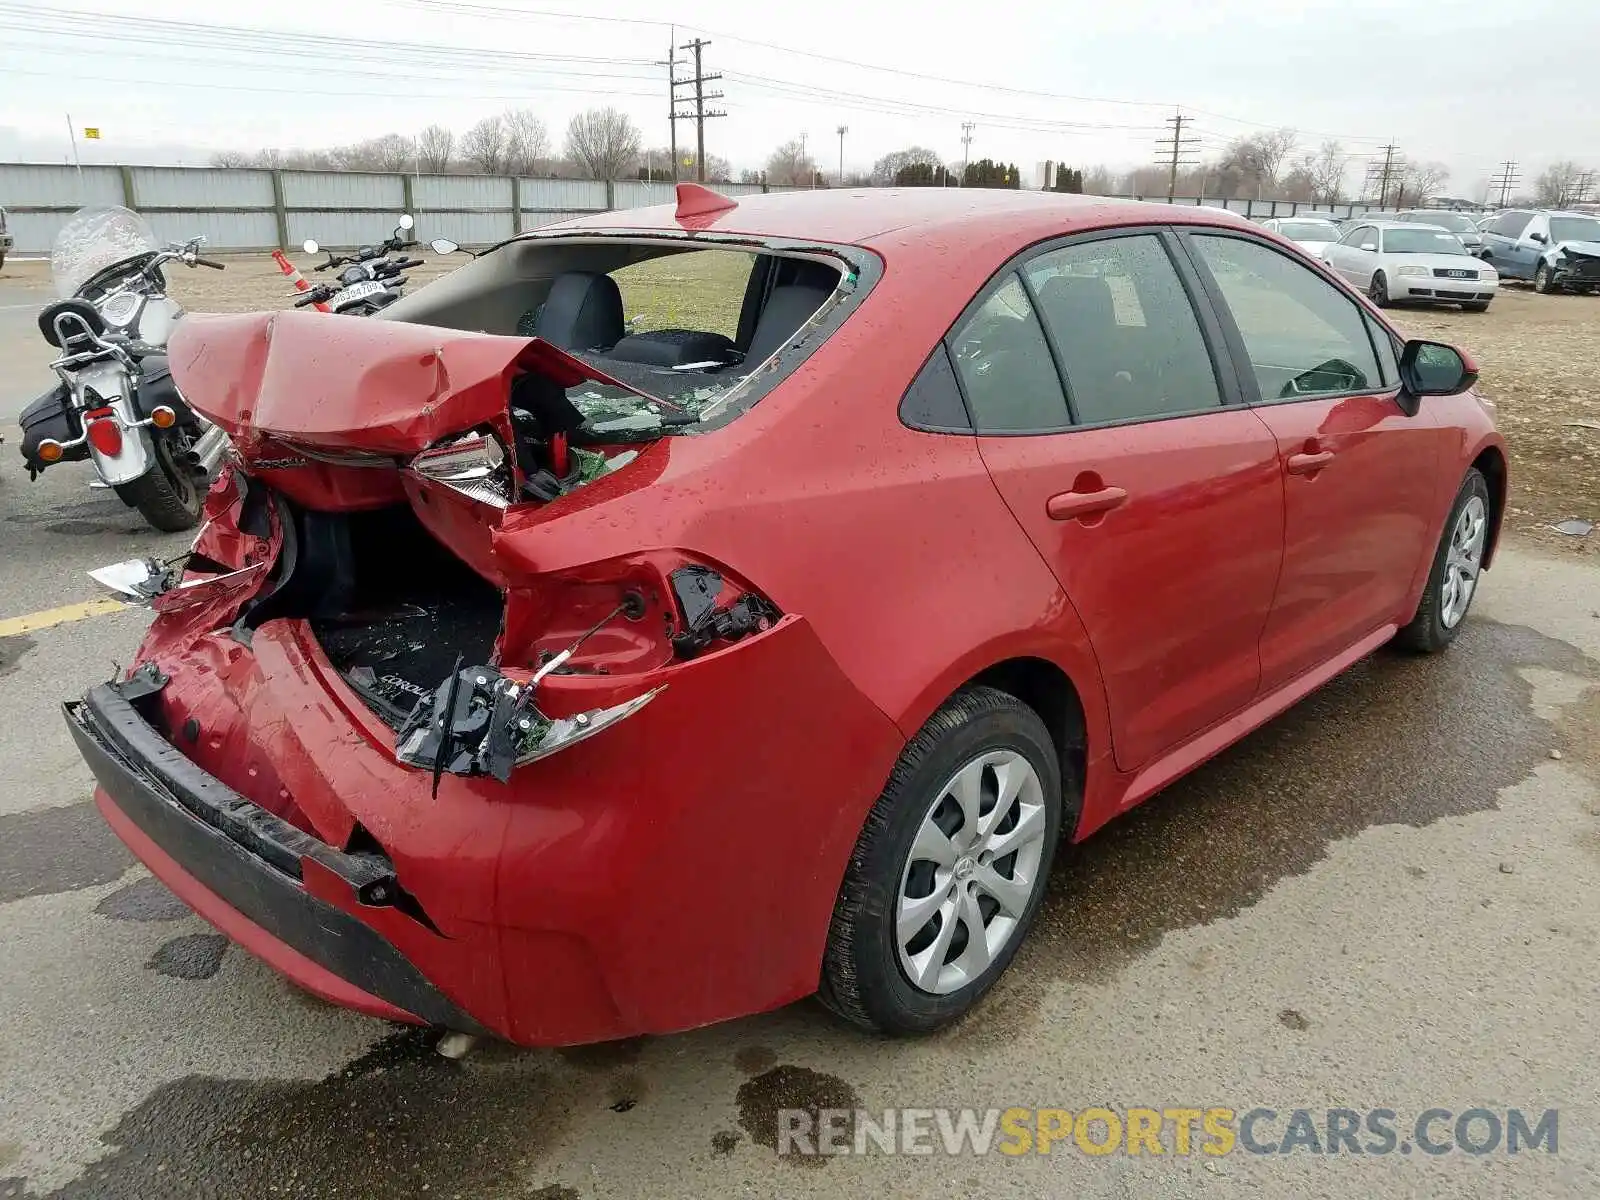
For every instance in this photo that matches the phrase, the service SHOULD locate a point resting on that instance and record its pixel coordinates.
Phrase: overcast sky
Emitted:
(1465, 82)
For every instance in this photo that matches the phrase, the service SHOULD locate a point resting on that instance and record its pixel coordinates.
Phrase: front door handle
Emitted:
(1308, 464)
(1066, 506)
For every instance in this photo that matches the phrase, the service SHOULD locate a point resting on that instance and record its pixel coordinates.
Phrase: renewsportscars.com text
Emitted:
(1171, 1131)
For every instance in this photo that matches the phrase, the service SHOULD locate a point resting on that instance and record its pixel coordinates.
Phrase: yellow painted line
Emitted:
(12, 626)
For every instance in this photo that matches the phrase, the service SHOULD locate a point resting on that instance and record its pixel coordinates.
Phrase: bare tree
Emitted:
(604, 141)
(392, 152)
(1258, 158)
(1327, 169)
(1298, 183)
(1559, 184)
(1099, 181)
(789, 165)
(433, 147)
(1418, 181)
(484, 145)
(890, 165)
(527, 141)
(230, 158)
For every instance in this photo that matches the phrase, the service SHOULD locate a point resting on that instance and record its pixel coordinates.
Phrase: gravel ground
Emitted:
(1538, 355)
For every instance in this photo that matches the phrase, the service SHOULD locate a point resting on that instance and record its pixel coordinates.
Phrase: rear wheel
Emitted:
(168, 495)
(949, 870)
(1457, 564)
(1476, 306)
(1544, 282)
(1378, 290)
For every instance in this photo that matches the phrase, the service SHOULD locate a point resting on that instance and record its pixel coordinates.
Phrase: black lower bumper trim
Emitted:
(245, 855)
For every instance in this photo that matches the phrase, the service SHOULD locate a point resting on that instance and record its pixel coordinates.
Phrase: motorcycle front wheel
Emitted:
(168, 495)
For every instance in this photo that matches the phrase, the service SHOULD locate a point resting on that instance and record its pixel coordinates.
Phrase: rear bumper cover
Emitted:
(230, 859)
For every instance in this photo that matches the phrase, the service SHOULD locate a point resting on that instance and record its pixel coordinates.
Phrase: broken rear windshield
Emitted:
(688, 325)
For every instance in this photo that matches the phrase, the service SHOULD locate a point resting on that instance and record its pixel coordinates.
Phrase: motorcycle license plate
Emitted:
(356, 292)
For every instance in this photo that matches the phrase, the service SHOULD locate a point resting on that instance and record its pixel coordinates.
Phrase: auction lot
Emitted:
(1389, 898)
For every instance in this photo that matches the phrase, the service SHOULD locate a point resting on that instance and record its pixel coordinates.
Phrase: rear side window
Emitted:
(1303, 336)
(1511, 224)
(1127, 336)
(1005, 367)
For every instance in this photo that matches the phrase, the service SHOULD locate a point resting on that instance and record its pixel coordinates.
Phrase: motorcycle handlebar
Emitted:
(206, 262)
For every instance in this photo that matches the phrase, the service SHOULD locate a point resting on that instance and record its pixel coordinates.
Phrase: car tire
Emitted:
(868, 970)
(1476, 306)
(1543, 281)
(1461, 547)
(1378, 290)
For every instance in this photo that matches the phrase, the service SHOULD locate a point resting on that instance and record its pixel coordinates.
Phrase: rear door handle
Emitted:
(1306, 464)
(1066, 506)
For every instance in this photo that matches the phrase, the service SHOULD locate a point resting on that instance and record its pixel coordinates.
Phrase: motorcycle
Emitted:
(116, 404)
(370, 281)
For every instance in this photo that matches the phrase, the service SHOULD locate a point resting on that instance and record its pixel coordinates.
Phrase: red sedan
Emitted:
(675, 613)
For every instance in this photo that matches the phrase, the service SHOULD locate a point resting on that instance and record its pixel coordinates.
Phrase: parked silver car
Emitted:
(5, 237)
(1311, 234)
(1396, 262)
(1460, 224)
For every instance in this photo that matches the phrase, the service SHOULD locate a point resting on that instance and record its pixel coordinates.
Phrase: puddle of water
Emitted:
(195, 956)
(12, 651)
(761, 1098)
(48, 850)
(399, 1121)
(753, 1060)
(143, 900)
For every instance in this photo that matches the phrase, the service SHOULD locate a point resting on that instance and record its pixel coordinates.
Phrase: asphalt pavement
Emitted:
(1389, 898)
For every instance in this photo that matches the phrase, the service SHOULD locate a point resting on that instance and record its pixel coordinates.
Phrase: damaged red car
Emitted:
(672, 614)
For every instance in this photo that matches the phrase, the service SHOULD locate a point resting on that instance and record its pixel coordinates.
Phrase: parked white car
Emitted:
(1397, 263)
(1311, 234)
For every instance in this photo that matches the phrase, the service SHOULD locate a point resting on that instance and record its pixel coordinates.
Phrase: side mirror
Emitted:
(1537, 237)
(405, 221)
(310, 246)
(1372, 246)
(1435, 369)
(443, 246)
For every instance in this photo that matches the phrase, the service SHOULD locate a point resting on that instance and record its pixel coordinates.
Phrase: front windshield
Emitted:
(1574, 229)
(1309, 231)
(94, 239)
(1421, 240)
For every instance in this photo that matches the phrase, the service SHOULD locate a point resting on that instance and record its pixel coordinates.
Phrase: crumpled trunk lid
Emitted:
(353, 384)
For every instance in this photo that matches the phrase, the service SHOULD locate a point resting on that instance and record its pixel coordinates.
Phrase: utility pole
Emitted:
(1175, 152)
(966, 148)
(72, 136)
(672, 96)
(700, 115)
(1389, 172)
(1580, 190)
(843, 129)
(1505, 181)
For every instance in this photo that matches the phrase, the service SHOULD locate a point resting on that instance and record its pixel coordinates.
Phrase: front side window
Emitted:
(1128, 338)
(1005, 367)
(1360, 235)
(1304, 337)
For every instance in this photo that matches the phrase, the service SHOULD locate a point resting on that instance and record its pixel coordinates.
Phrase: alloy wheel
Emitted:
(1463, 561)
(971, 872)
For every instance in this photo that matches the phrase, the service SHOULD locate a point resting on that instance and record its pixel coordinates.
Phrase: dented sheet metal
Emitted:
(384, 387)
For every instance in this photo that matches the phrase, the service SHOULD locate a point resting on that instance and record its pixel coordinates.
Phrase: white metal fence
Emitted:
(242, 209)
(261, 210)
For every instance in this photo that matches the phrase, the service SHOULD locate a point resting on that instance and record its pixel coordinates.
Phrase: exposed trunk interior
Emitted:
(390, 606)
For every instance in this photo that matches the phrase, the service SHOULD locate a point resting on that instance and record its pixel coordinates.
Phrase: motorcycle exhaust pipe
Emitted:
(208, 451)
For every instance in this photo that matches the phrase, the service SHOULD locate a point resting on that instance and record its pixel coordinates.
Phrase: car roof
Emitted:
(867, 216)
(1405, 225)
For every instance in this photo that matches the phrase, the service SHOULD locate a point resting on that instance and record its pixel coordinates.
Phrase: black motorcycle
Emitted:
(370, 280)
